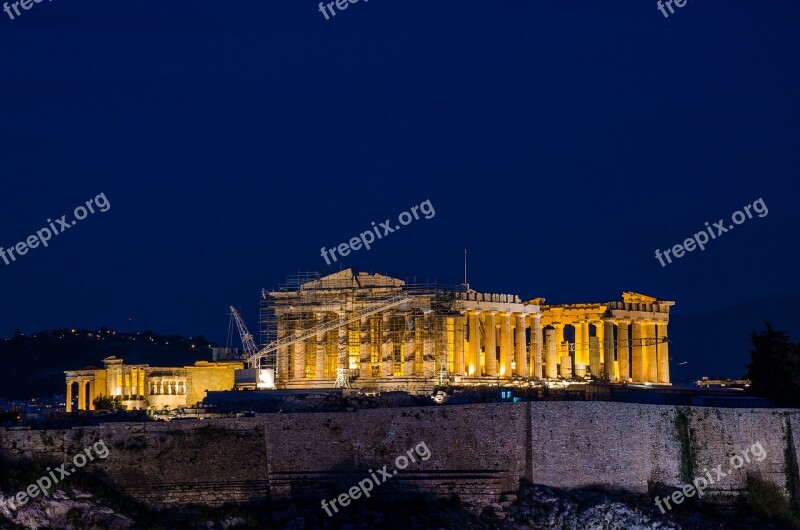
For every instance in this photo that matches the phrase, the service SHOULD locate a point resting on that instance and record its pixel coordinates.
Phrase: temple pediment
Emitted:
(630, 297)
(345, 279)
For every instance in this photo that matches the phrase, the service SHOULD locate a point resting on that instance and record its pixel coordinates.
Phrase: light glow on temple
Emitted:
(327, 333)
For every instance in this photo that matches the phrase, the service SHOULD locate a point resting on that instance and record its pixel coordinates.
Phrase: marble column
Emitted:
(490, 354)
(623, 351)
(386, 348)
(319, 369)
(506, 344)
(396, 339)
(282, 353)
(428, 361)
(458, 349)
(609, 370)
(408, 346)
(521, 350)
(562, 349)
(419, 344)
(363, 348)
(474, 362)
(551, 354)
(581, 338)
(536, 345)
(69, 396)
(341, 358)
(299, 353)
(585, 333)
(566, 366)
(637, 362)
(663, 355)
(92, 396)
(650, 357)
(596, 352)
(81, 395)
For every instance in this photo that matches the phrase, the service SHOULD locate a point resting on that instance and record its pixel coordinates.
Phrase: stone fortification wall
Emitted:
(479, 452)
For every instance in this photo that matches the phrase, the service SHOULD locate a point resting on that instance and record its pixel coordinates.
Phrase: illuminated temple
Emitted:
(363, 330)
(141, 386)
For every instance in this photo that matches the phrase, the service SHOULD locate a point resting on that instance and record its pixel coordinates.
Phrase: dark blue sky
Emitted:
(560, 142)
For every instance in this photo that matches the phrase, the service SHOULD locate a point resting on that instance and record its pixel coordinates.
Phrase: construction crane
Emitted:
(266, 357)
(248, 343)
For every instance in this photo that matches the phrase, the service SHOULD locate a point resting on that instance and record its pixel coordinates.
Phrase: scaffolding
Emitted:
(268, 322)
(302, 308)
(286, 339)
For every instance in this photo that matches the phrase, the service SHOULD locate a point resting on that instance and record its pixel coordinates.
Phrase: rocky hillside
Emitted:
(535, 508)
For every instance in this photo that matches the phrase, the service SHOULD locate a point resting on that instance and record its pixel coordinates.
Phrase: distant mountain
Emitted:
(717, 344)
(34, 365)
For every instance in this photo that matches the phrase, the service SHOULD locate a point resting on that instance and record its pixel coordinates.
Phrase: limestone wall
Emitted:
(477, 451)
(638, 447)
(206, 376)
(157, 463)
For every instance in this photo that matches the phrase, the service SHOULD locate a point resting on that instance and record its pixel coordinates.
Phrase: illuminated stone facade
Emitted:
(461, 336)
(144, 387)
(435, 336)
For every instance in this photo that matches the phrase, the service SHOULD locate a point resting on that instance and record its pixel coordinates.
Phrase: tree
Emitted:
(102, 402)
(775, 370)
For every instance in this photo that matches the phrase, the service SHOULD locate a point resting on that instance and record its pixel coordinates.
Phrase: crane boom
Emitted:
(248, 343)
(255, 359)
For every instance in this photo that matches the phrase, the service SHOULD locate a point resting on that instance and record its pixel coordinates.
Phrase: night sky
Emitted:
(561, 143)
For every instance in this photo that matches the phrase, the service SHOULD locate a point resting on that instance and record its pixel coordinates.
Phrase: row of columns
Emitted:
(167, 388)
(305, 366)
(474, 354)
(641, 356)
(124, 382)
(527, 362)
(84, 391)
(467, 357)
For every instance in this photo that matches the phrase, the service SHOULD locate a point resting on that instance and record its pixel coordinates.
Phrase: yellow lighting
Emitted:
(471, 369)
(502, 371)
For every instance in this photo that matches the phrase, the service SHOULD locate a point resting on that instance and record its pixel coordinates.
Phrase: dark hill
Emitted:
(34, 365)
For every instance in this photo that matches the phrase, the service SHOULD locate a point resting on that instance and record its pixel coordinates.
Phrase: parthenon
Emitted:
(459, 335)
